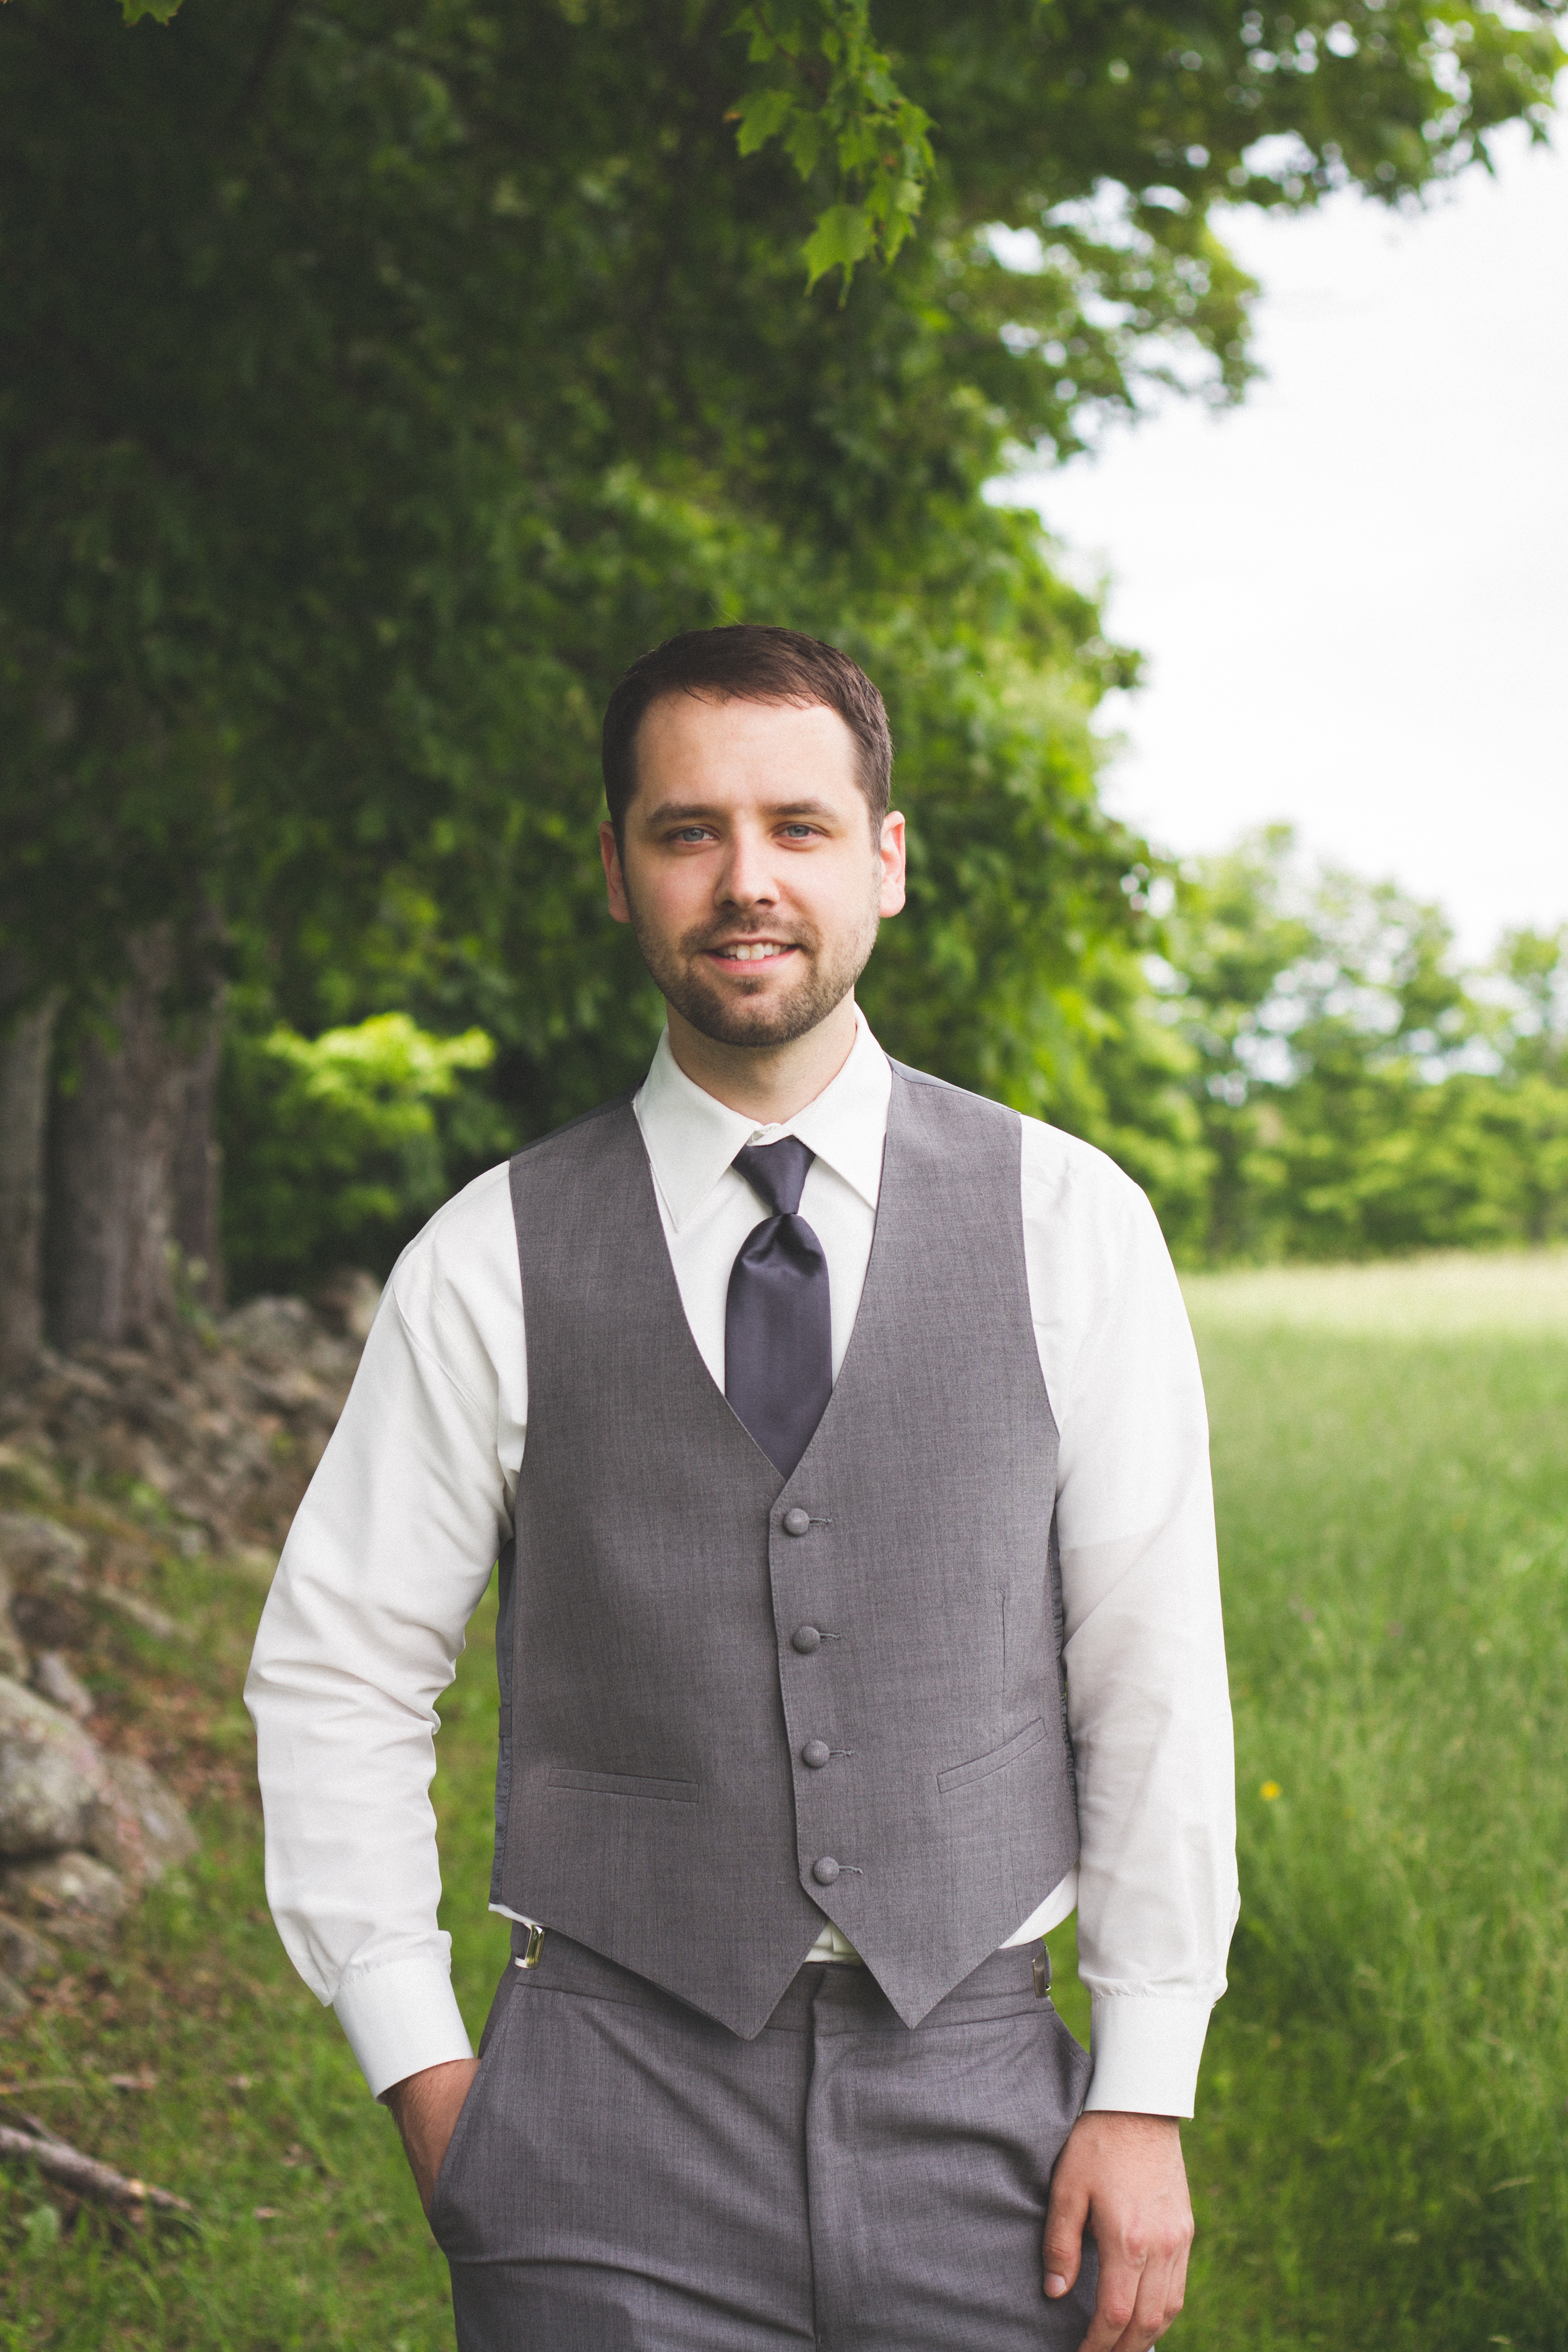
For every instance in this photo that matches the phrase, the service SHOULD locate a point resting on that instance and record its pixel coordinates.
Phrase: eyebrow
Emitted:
(690, 811)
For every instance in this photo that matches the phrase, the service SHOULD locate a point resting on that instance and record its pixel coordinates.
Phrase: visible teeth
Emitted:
(753, 954)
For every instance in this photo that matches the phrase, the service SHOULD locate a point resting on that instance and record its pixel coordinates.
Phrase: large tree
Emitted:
(377, 379)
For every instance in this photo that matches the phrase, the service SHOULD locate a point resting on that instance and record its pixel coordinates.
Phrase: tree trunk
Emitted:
(111, 1167)
(198, 1167)
(24, 1105)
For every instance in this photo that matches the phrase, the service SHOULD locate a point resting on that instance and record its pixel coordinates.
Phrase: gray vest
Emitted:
(739, 1704)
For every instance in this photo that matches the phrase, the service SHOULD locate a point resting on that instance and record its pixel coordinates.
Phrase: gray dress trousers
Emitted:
(628, 2175)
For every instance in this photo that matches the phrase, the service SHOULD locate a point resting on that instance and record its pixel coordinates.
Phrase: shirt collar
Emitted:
(691, 1137)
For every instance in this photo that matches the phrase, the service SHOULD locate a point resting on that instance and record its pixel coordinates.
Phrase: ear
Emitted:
(891, 850)
(615, 880)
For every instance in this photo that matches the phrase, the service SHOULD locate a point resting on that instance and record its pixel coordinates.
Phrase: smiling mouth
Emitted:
(748, 954)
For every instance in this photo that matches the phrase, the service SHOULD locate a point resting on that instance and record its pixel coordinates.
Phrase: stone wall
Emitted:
(112, 1461)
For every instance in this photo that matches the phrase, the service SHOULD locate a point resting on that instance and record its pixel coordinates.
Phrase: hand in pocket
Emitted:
(425, 2107)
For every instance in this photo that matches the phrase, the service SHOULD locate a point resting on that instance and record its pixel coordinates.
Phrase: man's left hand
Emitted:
(1123, 2176)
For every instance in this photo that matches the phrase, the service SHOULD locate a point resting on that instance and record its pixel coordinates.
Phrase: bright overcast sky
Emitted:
(1352, 591)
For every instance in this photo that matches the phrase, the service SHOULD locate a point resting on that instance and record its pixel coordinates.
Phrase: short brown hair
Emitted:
(747, 663)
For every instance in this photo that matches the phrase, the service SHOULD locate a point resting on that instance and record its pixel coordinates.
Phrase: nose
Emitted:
(747, 878)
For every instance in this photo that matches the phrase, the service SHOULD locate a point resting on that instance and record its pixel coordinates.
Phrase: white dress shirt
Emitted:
(393, 1545)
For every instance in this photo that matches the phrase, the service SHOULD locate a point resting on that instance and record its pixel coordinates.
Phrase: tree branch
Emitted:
(84, 2175)
(261, 64)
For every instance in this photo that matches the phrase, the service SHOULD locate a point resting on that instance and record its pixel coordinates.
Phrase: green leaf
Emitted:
(805, 141)
(161, 11)
(843, 236)
(854, 110)
(763, 115)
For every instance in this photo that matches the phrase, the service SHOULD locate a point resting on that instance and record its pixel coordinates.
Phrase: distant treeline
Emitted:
(1311, 1072)
(1298, 1068)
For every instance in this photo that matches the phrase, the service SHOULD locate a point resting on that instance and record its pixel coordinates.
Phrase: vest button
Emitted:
(815, 1753)
(805, 1639)
(796, 1520)
(826, 1871)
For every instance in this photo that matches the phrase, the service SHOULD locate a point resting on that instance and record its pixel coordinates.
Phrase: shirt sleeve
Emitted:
(1148, 1699)
(388, 1556)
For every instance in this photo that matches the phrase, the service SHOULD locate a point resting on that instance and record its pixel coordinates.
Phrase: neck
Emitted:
(765, 1083)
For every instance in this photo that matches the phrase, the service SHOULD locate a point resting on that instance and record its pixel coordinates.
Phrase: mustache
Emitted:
(708, 936)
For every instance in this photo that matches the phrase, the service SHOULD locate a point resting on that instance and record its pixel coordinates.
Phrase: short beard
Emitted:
(729, 1020)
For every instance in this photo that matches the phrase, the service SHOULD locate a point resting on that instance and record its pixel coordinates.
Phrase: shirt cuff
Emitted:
(1145, 2054)
(400, 2018)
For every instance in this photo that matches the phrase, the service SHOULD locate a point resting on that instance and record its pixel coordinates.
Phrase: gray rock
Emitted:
(347, 1302)
(24, 1953)
(53, 1784)
(82, 1898)
(292, 1390)
(25, 1466)
(13, 1649)
(29, 1544)
(141, 1829)
(53, 1679)
(273, 1332)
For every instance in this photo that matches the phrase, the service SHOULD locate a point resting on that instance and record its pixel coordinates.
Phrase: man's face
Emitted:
(748, 870)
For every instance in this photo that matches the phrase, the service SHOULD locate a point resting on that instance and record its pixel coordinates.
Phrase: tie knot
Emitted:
(776, 1171)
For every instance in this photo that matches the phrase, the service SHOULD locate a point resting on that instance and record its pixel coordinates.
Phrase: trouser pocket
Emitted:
(446, 2198)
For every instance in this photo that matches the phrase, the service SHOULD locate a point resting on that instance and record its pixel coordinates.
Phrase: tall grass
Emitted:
(1379, 2158)
(1379, 2155)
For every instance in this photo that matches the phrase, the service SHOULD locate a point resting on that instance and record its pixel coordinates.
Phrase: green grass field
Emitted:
(1379, 2156)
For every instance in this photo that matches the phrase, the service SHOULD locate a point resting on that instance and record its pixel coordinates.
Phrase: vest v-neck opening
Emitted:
(853, 1350)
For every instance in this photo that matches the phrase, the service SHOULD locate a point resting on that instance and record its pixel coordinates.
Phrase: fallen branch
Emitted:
(84, 2175)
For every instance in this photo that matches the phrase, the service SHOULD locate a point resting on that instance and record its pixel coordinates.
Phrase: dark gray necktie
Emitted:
(778, 1333)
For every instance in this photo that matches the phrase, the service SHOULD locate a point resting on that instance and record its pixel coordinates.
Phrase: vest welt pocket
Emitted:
(980, 1768)
(622, 1784)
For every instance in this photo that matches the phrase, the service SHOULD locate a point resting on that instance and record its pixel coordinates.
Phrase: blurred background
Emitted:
(364, 415)
(1163, 403)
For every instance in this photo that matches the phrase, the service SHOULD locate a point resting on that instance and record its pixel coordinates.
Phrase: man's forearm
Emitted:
(425, 2107)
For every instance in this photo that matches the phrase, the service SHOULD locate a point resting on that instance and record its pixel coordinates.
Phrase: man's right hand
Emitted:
(425, 2107)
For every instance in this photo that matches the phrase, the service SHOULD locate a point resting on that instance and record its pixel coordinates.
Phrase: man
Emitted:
(842, 1438)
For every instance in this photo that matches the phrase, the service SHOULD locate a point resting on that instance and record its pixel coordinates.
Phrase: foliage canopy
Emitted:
(378, 380)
